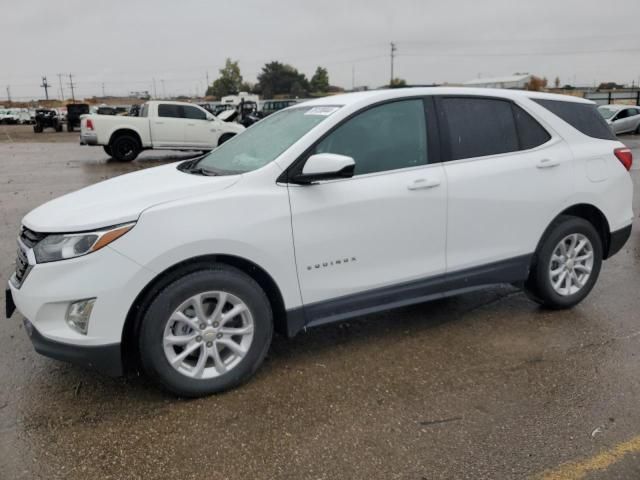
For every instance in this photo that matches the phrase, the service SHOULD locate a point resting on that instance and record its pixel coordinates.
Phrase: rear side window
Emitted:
(168, 110)
(583, 117)
(477, 127)
(530, 132)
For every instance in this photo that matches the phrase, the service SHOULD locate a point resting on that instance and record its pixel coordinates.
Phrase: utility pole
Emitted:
(73, 97)
(8, 93)
(61, 90)
(46, 86)
(155, 92)
(353, 76)
(164, 92)
(103, 95)
(393, 51)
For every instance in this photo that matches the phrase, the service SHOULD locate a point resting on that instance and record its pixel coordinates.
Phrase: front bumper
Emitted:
(47, 291)
(88, 138)
(106, 359)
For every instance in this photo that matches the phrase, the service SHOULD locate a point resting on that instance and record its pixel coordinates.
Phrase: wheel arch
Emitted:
(591, 214)
(124, 131)
(130, 353)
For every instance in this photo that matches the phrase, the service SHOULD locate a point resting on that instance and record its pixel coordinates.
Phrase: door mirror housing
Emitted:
(325, 166)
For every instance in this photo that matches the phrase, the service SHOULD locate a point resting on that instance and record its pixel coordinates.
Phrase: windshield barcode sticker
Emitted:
(325, 111)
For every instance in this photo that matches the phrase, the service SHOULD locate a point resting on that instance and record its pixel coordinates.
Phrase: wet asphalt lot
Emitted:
(485, 385)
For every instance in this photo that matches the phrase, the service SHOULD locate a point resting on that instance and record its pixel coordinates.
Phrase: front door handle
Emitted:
(159, 123)
(547, 163)
(191, 124)
(423, 183)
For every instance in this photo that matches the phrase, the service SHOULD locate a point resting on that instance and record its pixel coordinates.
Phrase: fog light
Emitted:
(78, 315)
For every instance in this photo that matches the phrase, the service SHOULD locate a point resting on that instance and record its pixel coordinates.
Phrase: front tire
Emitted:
(207, 332)
(125, 148)
(107, 150)
(566, 265)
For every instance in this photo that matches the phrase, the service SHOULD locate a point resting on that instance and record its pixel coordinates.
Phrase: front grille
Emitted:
(28, 239)
(22, 266)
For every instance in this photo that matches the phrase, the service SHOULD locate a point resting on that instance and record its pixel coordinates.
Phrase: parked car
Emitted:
(47, 118)
(318, 213)
(14, 116)
(74, 112)
(270, 106)
(161, 125)
(621, 118)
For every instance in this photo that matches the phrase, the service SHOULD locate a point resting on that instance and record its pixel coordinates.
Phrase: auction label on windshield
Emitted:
(324, 111)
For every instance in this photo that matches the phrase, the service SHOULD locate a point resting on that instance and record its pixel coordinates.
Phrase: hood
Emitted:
(121, 199)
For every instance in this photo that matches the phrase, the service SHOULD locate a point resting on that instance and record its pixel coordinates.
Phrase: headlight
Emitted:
(61, 246)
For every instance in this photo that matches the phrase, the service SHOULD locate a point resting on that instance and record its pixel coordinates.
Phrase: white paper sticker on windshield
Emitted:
(324, 111)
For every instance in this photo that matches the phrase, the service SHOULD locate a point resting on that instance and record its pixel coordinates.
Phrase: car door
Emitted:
(167, 128)
(199, 131)
(634, 119)
(623, 122)
(381, 228)
(507, 177)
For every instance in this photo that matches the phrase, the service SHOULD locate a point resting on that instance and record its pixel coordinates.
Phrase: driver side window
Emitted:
(387, 137)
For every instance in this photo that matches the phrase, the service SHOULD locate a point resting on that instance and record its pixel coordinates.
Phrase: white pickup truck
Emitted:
(161, 125)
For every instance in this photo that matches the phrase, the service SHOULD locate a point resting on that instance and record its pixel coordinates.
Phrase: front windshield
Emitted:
(265, 141)
(607, 112)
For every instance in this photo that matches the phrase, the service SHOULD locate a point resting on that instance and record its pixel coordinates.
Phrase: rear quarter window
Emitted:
(583, 117)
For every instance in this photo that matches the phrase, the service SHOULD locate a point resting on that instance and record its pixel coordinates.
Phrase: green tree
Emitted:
(229, 82)
(320, 80)
(398, 83)
(278, 78)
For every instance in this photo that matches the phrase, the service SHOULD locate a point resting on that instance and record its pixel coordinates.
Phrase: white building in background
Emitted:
(514, 82)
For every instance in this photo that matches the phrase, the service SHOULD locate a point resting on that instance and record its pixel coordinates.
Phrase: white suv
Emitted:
(331, 209)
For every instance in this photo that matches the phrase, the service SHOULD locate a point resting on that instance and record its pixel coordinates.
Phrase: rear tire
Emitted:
(37, 128)
(107, 149)
(69, 127)
(58, 127)
(566, 265)
(125, 148)
(210, 366)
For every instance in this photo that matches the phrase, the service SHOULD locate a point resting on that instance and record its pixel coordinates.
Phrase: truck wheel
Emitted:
(58, 127)
(69, 127)
(207, 332)
(37, 128)
(224, 137)
(107, 150)
(125, 148)
(566, 265)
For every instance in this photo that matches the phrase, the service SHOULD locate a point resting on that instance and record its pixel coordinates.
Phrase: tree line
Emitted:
(275, 79)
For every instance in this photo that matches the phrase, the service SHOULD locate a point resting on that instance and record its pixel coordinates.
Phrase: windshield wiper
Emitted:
(203, 171)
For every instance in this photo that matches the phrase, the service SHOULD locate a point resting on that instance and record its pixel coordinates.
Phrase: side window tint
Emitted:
(193, 113)
(386, 137)
(530, 132)
(168, 110)
(479, 126)
(584, 117)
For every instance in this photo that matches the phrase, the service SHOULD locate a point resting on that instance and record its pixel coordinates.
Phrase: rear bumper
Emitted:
(88, 138)
(103, 358)
(617, 240)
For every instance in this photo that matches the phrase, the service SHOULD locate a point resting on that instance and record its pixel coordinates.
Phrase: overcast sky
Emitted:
(125, 44)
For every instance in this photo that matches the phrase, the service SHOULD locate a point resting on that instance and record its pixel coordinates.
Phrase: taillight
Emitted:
(89, 124)
(625, 156)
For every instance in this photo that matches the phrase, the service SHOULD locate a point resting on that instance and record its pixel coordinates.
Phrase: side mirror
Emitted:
(325, 166)
(211, 118)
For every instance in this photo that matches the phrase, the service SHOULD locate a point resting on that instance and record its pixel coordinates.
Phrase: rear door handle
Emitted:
(191, 124)
(547, 163)
(159, 123)
(422, 184)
